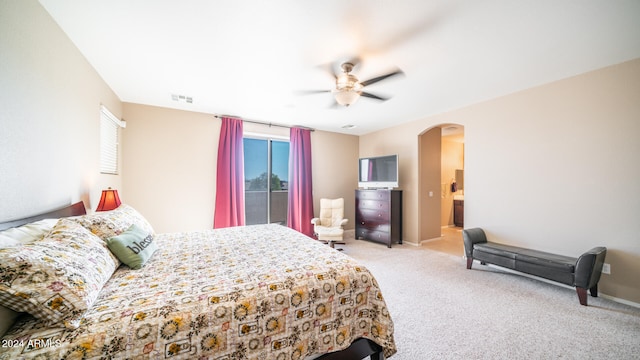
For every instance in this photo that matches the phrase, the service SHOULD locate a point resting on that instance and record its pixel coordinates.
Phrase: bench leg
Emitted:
(594, 290)
(469, 262)
(582, 295)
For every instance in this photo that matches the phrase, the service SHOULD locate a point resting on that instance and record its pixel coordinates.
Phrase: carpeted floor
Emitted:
(441, 310)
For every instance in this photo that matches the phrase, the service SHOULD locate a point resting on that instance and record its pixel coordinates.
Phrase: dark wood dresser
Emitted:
(379, 215)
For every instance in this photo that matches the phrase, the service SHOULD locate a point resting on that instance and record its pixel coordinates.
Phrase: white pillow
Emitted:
(26, 233)
(58, 278)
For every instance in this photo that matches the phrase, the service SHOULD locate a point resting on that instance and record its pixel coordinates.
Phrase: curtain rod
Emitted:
(263, 123)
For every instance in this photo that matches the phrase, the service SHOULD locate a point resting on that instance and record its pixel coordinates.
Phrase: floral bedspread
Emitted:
(254, 292)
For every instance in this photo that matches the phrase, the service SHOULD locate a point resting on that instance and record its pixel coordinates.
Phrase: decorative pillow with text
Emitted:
(133, 247)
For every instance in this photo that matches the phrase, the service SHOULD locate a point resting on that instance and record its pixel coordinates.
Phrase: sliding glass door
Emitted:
(266, 176)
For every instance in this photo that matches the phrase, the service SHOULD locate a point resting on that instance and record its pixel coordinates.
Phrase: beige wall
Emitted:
(552, 168)
(335, 170)
(429, 189)
(170, 165)
(50, 116)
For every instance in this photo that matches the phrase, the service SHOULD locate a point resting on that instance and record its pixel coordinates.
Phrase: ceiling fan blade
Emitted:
(381, 77)
(331, 69)
(371, 96)
(310, 92)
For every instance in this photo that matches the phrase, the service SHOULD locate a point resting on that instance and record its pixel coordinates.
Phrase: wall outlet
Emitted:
(606, 268)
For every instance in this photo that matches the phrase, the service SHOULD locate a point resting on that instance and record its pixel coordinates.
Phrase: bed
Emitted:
(253, 292)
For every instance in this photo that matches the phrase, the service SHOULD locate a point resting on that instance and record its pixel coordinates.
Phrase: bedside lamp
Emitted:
(109, 200)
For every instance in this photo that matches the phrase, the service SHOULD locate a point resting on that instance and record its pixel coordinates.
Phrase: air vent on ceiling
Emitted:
(182, 98)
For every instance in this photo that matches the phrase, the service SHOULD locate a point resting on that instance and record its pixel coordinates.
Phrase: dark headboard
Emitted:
(69, 210)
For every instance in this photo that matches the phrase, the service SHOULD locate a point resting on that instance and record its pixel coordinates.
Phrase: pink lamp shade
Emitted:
(109, 200)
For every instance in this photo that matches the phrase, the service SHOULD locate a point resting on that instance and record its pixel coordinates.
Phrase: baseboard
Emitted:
(430, 240)
(511, 271)
(621, 301)
(600, 293)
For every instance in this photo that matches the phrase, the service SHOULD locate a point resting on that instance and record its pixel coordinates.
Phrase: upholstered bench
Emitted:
(583, 272)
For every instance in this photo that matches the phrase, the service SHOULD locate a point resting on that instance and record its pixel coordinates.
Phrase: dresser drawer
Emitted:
(372, 215)
(373, 224)
(374, 204)
(374, 235)
(373, 195)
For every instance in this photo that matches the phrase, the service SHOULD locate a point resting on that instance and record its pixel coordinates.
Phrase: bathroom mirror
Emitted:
(460, 179)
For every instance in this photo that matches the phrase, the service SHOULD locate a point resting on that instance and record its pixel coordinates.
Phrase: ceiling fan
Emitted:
(348, 88)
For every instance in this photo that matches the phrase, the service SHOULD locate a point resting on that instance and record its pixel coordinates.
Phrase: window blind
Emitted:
(109, 141)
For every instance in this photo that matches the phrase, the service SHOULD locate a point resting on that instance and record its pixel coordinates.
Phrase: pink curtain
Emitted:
(300, 210)
(229, 209)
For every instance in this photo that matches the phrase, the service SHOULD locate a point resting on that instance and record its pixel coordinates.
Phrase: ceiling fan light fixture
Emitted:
(346, 97)
(348, 87)
(347, 81)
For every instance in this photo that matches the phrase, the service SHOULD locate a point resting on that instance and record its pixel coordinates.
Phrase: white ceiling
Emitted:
(249, 57)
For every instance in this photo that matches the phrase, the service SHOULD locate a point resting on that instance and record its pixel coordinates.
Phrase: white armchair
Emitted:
(328, 227)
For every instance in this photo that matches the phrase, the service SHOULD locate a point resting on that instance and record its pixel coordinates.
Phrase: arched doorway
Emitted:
(441, 158)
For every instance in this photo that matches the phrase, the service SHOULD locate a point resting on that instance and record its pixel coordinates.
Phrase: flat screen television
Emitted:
(378, 172)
